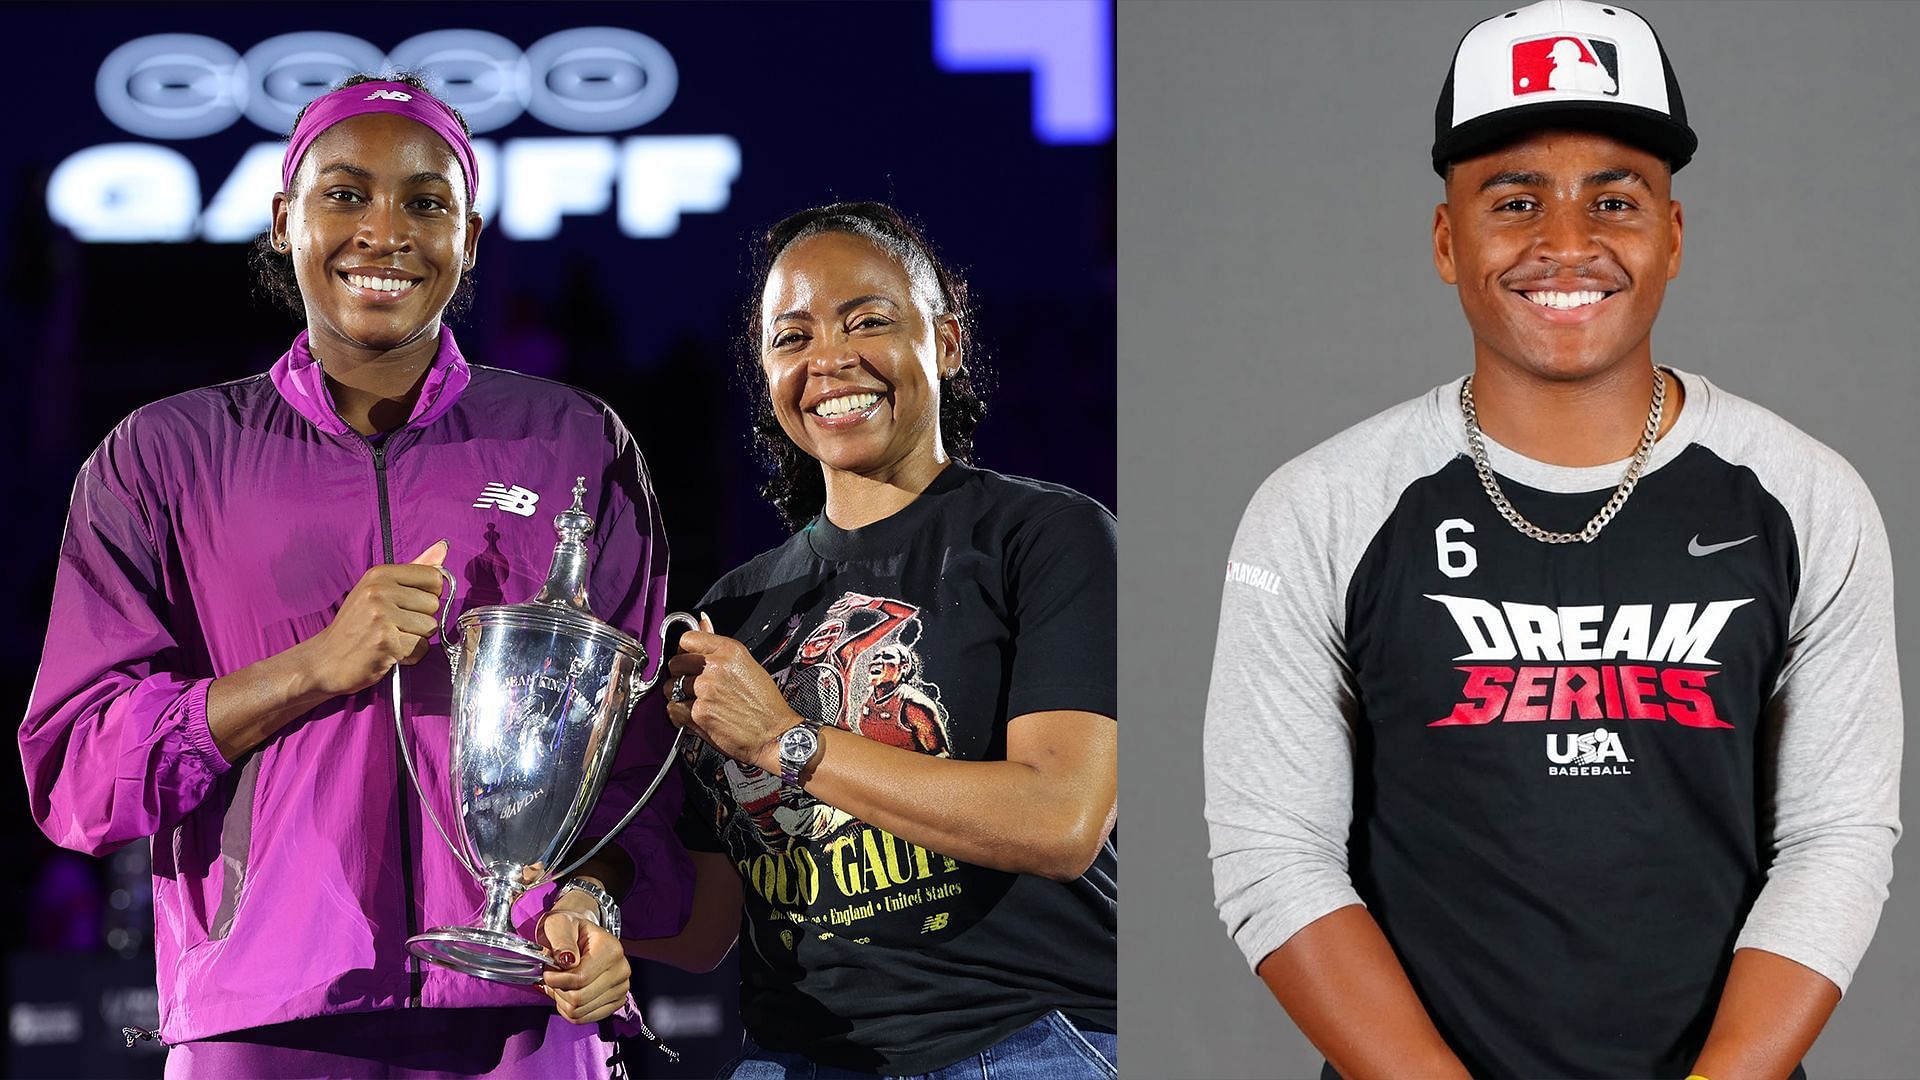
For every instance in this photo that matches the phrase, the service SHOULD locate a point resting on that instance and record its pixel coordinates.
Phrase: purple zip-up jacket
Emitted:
(222, 526)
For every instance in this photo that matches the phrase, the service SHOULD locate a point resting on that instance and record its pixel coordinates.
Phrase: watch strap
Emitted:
(609, 914)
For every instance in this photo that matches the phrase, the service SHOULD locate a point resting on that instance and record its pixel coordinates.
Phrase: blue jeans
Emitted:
(1049, 1047)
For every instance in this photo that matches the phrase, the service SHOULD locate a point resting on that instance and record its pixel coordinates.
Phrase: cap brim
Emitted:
(1652, 131)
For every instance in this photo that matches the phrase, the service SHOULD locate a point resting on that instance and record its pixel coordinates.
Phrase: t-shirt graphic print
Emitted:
(857, 671)
(864, 652)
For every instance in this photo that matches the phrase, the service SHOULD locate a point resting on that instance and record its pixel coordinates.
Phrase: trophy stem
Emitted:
(490, 950)
(498, 913)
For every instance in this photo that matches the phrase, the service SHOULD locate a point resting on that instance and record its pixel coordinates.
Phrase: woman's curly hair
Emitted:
(273, 269)
(796, 486)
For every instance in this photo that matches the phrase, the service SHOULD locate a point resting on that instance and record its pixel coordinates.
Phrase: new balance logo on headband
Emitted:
(388, 95)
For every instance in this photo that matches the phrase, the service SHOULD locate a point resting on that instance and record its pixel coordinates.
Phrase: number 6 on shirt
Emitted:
(1447, 551)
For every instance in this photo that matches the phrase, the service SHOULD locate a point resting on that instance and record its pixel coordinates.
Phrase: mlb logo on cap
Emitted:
(1561, 63)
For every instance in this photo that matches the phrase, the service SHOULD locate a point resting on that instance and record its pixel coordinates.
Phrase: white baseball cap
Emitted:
(1561, 63)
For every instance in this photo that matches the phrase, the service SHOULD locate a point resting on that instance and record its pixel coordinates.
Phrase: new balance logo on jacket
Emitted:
(514, 500)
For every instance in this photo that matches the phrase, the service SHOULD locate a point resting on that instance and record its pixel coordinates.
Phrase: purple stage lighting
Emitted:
(1067, 44)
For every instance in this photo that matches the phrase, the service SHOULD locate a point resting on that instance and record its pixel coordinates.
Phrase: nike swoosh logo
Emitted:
(1696, 548)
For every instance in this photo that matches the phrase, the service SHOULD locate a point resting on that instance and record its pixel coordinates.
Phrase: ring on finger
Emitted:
(681, 690)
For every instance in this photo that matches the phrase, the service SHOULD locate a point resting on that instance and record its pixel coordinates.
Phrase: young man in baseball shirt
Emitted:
(1555, 724)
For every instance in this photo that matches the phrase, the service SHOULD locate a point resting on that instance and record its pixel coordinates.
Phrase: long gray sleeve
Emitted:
(1279, 745)
(1831, 751)
(1282, 705)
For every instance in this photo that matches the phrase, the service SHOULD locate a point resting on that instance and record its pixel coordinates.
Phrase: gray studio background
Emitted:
(1276, 287)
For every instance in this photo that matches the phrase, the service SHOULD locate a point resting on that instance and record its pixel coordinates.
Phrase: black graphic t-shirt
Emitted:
(1568, 781)
(987, 598)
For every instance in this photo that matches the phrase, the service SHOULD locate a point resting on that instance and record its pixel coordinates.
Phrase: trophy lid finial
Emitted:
(573, 523)
(567, 578)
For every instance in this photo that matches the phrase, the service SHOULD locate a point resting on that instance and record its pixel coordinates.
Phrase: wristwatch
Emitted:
(609, 917)
(798, 746)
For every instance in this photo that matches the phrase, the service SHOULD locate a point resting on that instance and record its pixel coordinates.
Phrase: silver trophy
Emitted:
(541, 694)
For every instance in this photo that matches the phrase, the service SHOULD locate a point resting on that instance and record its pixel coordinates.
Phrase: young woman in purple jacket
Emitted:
(243, 567)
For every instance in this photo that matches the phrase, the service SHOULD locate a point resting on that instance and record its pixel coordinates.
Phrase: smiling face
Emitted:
(853, 349)
(380, 233)
(818, 642)
(1561, 245)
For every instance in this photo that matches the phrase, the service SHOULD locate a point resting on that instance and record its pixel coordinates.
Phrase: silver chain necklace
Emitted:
(1478, 446)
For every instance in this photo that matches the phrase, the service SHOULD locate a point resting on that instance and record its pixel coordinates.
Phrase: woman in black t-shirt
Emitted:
(903, 795)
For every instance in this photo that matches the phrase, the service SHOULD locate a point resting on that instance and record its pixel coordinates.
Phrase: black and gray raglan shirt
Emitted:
(1567, 780)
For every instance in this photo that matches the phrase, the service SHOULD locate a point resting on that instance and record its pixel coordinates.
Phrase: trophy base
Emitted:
(483, 953)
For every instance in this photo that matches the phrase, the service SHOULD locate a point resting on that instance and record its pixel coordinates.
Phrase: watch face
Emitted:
(797, 745)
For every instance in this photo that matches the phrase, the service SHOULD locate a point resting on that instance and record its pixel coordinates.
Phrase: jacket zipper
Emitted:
(414, 973)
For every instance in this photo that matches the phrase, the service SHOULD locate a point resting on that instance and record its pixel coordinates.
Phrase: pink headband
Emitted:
(371, 97)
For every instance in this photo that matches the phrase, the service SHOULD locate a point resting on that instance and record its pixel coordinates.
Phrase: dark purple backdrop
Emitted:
(826, 101)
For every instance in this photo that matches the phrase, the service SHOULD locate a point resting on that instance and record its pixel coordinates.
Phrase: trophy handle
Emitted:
(641, 686)
(639, 689)
(400, 729)
(446, 639)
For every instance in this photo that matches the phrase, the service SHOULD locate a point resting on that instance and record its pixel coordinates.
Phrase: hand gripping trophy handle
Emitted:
(542, 692)
(400, 728)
